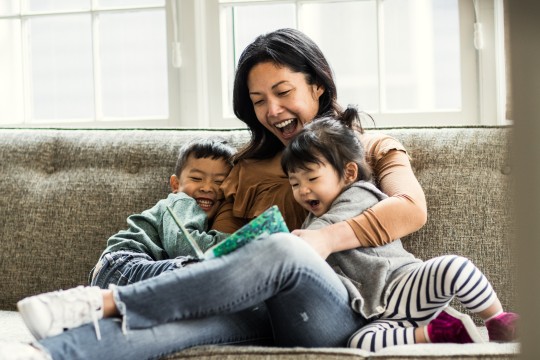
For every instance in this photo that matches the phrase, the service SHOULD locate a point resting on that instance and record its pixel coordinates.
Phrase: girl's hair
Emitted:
(334, 140)
(296, 51)
(211, 147)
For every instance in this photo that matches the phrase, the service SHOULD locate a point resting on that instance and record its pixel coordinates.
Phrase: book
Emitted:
(269, 222)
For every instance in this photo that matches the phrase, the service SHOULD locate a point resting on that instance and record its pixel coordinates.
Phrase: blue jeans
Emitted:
(274, 291)
(128, 267)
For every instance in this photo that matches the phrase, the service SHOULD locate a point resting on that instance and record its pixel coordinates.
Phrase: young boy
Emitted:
(406, 298)
(153, 243)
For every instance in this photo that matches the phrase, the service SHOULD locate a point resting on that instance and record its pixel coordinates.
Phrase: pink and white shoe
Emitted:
(451, 326)
(503, 328)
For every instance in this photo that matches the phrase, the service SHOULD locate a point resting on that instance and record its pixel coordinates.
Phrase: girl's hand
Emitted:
(317, 239)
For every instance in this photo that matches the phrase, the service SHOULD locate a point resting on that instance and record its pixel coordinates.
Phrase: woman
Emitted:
(282, 82)
(289, 296)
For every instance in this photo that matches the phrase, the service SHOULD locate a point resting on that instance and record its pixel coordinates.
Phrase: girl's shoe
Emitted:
(503, 328)
(451, 326)
(51, 313)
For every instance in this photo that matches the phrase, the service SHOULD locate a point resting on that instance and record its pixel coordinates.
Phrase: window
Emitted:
(83, 62)
(406, 62)
(170, 63)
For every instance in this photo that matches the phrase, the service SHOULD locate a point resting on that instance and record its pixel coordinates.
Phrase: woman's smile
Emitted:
(283, 100)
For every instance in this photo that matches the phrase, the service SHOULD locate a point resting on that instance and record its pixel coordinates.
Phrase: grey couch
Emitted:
(64, 192)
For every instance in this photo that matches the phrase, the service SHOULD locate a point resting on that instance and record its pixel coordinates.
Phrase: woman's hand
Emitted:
(330, 239)
(317, 239)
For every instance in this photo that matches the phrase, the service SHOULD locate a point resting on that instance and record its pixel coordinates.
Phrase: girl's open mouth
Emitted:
(313, 204)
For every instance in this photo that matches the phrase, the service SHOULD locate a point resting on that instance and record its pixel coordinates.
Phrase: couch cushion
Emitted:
(64, 192)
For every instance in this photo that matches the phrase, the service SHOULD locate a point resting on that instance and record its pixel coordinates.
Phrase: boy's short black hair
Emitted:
(211, 147)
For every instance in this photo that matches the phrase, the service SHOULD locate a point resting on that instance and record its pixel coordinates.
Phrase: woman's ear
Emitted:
(319, 90)
(351, 172)
(175, 183)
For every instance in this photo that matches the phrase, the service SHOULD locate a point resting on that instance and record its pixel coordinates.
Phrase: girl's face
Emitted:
(317, 187)
(283, 100)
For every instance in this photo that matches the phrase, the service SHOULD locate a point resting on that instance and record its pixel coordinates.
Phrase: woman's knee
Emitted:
(287, 246)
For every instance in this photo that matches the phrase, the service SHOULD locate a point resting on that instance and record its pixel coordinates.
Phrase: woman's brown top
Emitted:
(255, 185)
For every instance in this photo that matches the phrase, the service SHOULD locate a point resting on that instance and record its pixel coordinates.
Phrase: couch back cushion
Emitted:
(64, 192)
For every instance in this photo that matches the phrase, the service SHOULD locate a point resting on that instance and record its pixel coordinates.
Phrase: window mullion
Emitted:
(26, 71)
(381, 55)
(98, 104)
(174, 59)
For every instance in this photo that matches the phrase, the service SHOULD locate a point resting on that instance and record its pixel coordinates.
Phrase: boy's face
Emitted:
(201, 179)
(317, 187)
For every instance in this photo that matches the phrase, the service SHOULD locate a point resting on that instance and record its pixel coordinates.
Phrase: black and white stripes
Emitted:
(419, 296)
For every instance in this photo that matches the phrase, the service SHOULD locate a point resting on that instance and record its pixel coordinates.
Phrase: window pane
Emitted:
(11, 85)
(251, 21)
(422, 71)
(58, 5)
(353, 57)
(9, 7)
(243, 24)
(447, 54)
(127, 3)
(61, 67)
(134, 64)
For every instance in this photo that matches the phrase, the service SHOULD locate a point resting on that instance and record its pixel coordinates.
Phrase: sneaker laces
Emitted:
(85, 306)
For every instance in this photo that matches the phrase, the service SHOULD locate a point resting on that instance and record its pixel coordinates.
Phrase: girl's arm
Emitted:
(402, 213)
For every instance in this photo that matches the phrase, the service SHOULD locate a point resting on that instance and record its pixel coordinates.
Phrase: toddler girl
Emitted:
(407, 298)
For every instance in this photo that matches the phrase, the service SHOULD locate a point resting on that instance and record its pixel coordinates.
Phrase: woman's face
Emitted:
(283, 100)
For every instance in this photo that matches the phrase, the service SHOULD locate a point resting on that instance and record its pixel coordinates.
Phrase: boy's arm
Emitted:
(142, 235)
(194, 220)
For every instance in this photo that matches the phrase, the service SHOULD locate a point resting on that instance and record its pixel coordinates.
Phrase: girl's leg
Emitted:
(417, 298)
(249, 327)
(474, 291)
(431, 287)
(382, 333)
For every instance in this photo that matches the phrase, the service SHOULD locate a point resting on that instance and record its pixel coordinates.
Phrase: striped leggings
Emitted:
(418, 297)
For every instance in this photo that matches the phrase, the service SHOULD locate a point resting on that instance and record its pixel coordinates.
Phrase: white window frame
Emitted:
(482, 72)
(196, 71)
(98, 121)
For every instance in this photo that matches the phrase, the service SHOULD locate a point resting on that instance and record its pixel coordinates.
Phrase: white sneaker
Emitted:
(51, 313)
(10, 350)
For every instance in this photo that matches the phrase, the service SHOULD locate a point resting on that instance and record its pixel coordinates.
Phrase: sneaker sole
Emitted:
(469, 324)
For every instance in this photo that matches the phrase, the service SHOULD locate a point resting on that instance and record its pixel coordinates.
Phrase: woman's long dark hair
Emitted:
(296, 51)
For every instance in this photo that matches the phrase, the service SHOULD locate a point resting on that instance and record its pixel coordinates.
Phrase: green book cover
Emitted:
(269, 222)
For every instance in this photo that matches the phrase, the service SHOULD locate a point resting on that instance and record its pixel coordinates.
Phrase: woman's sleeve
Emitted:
(225, 221)
(405, 210)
